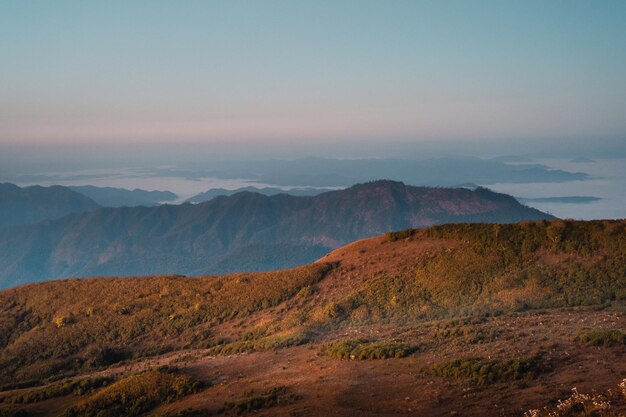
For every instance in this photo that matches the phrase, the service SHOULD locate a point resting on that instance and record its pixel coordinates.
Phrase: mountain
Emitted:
(215, 192)
(202, 238)
(33, 204)
(121, 197)
(457, 319)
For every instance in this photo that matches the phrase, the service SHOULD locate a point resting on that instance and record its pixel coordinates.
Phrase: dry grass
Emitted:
(95, 322)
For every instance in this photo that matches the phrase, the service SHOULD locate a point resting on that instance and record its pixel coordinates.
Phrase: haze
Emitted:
(288, 73)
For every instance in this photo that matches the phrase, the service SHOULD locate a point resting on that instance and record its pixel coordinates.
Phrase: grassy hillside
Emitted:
(517, 304)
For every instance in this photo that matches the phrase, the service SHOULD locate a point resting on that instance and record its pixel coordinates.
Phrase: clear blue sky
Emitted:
(287, 71)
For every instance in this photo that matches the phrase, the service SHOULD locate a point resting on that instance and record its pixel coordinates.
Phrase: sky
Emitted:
(291, 73)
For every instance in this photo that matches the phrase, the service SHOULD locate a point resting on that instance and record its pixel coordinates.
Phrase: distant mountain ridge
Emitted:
(216, 192)
(121, 197)
(35, 203)
(232, 233)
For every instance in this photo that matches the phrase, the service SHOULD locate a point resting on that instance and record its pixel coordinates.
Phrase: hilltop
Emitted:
(243, 232)
(19, 206)
(471, 318)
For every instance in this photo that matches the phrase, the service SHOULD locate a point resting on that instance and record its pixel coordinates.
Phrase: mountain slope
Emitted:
(120, 197)
(33, 204)
(193, 238)
(495, 296)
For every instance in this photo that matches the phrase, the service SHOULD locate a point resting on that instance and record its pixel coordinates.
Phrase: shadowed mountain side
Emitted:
(33, 204)
(187, 238)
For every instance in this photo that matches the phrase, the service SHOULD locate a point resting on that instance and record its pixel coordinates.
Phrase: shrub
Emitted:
(252, 344)
(363, 350)
(602, 337)
(135, 395)
(461, 333)
(60, 389)
(400, 235)
(62, 321)
(270, 398)
(487, 371)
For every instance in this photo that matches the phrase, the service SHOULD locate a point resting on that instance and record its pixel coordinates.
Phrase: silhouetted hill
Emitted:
(121, 197)
(35, 203)
(197, 238)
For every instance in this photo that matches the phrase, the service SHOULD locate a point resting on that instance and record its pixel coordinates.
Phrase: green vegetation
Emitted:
(602, 337)
(487, 371)
(464, 332)
(400, 235)
(363, 350)
(251, 402)
(135, 395)
(79, 387)
(492, 269)
(253, 343)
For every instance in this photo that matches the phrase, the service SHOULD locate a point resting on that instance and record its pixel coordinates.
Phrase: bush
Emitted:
(602, 337)
(80, 387)
(487, 371)
(270, 398)
(62, 321)
(461, 333)
(400, 235)
(135, 395)
(252, 344)
(363, 350)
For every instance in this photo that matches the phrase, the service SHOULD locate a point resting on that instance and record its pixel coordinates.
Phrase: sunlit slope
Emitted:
(64, 327)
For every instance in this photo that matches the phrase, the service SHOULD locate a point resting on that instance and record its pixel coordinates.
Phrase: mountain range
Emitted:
(243, 232)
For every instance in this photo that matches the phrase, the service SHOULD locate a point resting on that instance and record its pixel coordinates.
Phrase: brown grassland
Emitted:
(466, 320)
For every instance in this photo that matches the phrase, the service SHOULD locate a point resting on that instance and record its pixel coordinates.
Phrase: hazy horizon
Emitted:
(284, 77)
